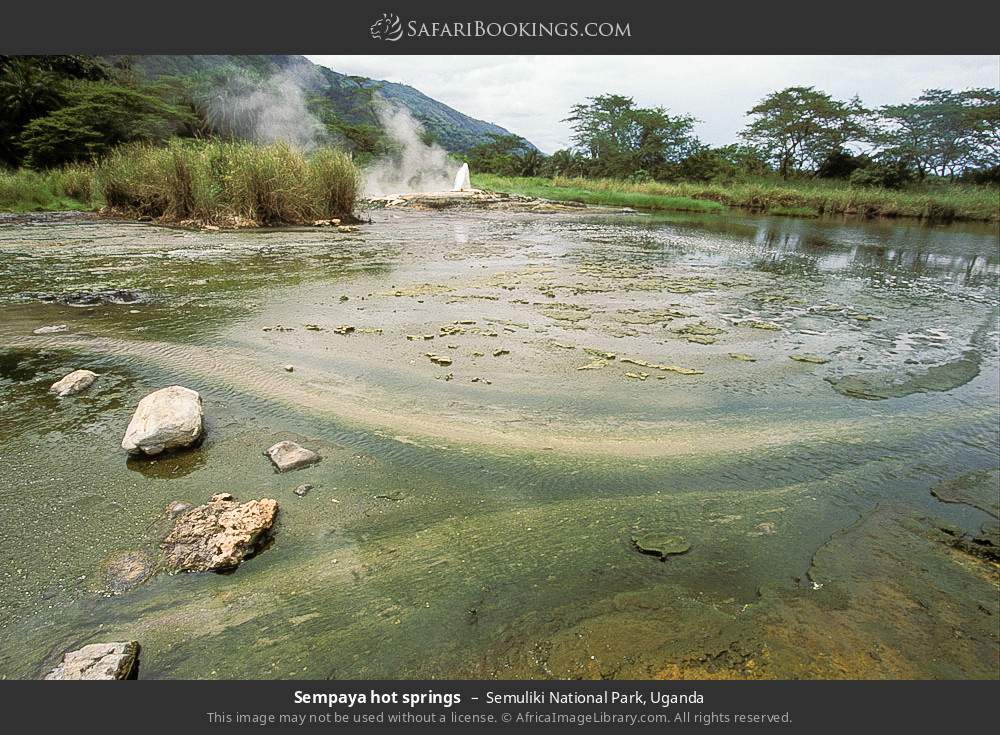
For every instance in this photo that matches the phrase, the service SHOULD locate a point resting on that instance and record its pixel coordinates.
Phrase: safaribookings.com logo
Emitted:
(390, 28)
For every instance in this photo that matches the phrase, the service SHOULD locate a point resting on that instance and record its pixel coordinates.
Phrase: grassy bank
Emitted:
(802, 199)
(233, 184)
(34, 191)
(605, 192)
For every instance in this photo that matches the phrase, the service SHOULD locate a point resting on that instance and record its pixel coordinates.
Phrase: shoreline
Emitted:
(791, 199)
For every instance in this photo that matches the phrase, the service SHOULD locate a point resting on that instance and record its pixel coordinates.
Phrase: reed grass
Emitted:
(216, 182)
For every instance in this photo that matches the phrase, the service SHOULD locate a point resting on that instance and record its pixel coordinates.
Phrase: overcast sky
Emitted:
(530, 95)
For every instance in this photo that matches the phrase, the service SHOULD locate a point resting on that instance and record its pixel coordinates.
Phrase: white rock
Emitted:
(290, 456)
(75, 382)
(51, 329)
(170, 418)
(98, 661)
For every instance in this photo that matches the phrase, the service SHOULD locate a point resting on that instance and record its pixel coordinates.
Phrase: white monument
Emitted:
(462, 182)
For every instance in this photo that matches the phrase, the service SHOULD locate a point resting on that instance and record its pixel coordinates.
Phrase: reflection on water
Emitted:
(476, 519)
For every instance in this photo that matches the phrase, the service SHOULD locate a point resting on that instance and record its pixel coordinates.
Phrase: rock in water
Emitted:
(219, 534)
(98, 661)
(660, 544)
(170, 418)
(75, 382)
(291, 456)
(127, 569)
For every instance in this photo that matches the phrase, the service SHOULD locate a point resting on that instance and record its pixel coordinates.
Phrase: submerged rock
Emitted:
(218, 535)
(98, 661)
(127, 569)
(937, 378)
(742, 357)
(75, 382)
(177, 507)
(170, 418)
(978, 489)
(288, 455)
(51, 329)
(660, 544)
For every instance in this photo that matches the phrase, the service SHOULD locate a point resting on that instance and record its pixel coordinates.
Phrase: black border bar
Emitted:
(655, 27)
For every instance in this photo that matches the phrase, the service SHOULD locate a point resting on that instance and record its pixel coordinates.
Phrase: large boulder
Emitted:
(170, 418)
(219, 534)
(288, 455)
(98, 661)
(75, 382)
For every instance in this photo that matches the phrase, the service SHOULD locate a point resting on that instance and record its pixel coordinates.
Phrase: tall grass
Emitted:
(32, 191)
(229, 183)
(940, 201)
(216, 182)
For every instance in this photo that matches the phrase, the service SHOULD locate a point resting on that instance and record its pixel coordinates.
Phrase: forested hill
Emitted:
(345, 104)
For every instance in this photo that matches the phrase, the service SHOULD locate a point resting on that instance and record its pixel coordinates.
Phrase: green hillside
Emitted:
(346, 105)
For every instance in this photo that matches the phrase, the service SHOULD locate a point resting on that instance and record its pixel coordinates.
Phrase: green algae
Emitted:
(660, 545)
(978, 489)
(813, 359)
(662, 366)
(758, 324)
(881, 386)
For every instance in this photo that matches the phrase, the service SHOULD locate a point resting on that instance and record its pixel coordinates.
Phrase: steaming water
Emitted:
(476, 519)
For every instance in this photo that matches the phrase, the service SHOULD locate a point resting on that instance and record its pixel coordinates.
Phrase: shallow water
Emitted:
(477, 519)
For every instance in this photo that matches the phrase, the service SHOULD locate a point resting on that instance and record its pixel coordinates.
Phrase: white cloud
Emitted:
(530, 95)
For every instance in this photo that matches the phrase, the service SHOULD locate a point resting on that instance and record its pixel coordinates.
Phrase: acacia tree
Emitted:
(798, 127)
(943, 132)
(621, 139)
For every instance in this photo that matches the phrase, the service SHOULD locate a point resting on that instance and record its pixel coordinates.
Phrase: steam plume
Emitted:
(414, 166)
(266, 112)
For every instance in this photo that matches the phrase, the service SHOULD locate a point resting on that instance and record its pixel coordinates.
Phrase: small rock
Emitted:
(219, 534)
(303, 490)
(289, 368)
(170, 418)
(288, 455)
(98, 661)
(51, 329)
(75, 382)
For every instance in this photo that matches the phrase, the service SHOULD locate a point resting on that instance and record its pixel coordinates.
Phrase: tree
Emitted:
(96, 117)
(507, 155)
(621, 139)
(723, 164)
(943, 132)
(33, 86)
(798, 127)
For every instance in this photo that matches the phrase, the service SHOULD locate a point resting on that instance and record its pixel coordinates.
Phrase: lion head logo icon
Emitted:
(387, 28)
